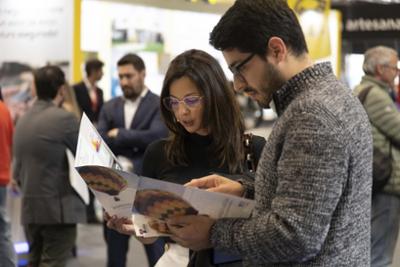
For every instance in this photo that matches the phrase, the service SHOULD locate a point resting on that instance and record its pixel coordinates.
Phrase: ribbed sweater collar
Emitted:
(300, 83)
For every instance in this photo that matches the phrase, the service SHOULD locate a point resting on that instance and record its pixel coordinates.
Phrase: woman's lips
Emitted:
(188, 123)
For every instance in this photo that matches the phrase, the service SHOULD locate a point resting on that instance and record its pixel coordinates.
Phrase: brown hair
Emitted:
(93, 65)
(221, 111)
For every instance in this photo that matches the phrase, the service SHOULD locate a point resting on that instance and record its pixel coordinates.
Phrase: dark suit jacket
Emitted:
(42, 136)
(146, 127)
(84, 102)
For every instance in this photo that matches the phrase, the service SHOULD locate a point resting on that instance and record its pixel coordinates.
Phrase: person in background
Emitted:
(50, 207)
(70, 104)
(128, 124)
(89, 98)
(88, 95)
(380, 68)
(16, 80)
(207, 136)
(312, 189)
(7, 253)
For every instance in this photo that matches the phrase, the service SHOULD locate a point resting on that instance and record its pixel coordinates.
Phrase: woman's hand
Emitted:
(217, 183)
(125, 226)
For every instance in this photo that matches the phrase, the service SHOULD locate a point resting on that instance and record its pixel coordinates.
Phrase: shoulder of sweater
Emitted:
(327, 114)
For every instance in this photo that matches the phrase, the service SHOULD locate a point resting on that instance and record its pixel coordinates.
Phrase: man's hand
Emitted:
(125, 226)
(216, 183)
(112, 133)
(191, 231)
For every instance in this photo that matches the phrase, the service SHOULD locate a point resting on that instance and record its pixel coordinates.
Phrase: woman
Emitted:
(207, 136)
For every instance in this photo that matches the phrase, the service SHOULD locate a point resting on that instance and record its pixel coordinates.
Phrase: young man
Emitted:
(88, 95)
(129, 124)
(313, 182)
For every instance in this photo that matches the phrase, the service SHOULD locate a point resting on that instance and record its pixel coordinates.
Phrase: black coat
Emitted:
(84, 102)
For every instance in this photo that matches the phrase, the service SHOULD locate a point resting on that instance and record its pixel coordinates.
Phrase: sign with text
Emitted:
(36, 32)
(369, 20)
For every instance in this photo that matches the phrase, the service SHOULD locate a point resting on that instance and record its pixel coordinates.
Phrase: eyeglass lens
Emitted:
(172, 103)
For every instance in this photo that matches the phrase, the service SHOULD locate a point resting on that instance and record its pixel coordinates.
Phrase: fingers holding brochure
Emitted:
(218, 183)
(191, 231)
(126, 226)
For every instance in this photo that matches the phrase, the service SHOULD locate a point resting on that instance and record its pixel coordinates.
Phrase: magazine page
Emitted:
(98, 167)
(75, 179)
(156, 201)
(91, 148)
(148, 201)
(114, 189)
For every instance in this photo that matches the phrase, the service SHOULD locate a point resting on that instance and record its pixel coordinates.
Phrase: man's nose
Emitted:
(238, 84)
(182, 108)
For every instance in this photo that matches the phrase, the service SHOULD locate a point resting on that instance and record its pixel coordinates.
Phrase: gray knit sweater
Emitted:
(313, 183)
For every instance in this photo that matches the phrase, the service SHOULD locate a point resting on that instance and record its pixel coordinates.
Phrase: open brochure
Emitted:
(149, 202)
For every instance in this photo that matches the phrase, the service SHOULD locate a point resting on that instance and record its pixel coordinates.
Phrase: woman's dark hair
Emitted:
(48, 81)
(221, 113)
(248, 26)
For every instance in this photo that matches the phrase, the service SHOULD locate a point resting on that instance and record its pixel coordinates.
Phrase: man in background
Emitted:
(50, 207)
(129, 124)
(380, 68)
(88, 95)
(7, 253)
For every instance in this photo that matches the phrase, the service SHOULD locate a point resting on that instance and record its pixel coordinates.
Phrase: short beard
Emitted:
(273, 81)
(132, 95)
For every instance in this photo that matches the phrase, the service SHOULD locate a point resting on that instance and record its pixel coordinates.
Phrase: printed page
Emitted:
(75, 179)
(114, 189)
(156, 201)
(98, 167)
(91, 148)
(149, 202)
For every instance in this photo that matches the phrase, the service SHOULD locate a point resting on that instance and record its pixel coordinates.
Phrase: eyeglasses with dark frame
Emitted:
(172, 103)
(235, 69)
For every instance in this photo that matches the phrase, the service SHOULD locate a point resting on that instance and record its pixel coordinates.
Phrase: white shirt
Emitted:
(130, 108)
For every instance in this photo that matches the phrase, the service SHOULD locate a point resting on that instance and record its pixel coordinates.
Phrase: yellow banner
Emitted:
(314, 19)
(77, 52)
